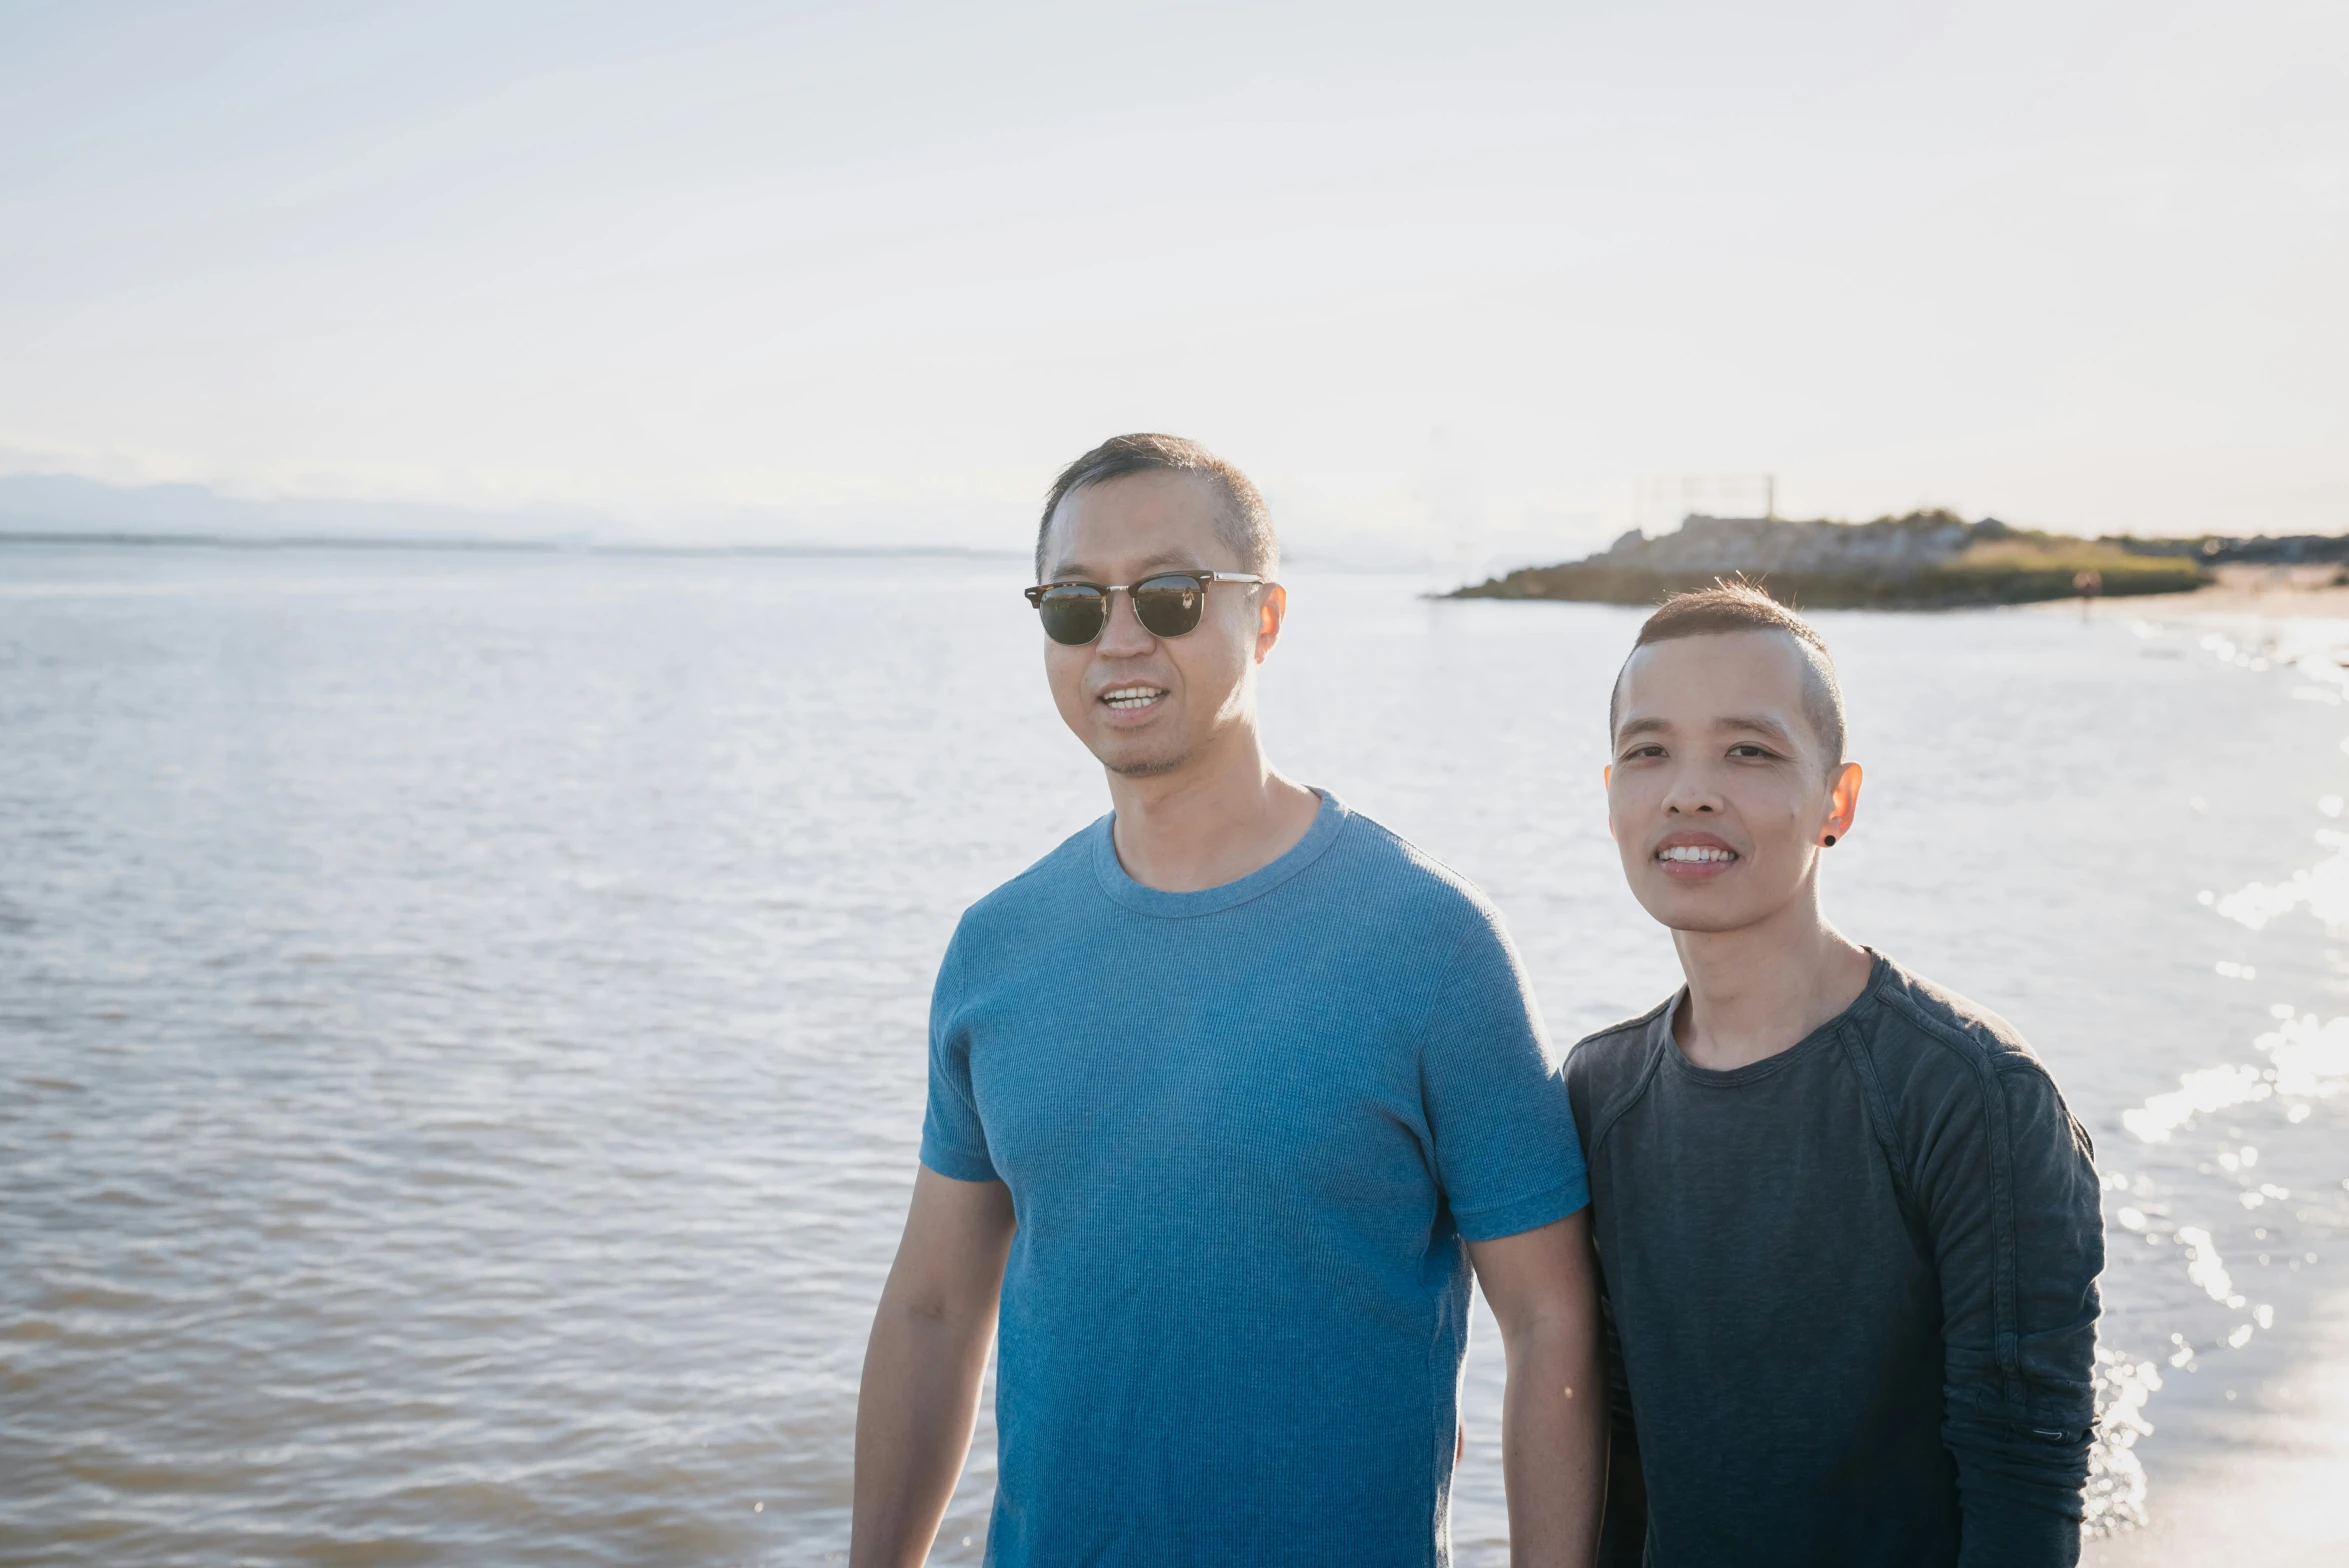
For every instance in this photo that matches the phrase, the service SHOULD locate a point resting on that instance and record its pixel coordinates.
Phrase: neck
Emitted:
(1221, 815)
(1763, 988)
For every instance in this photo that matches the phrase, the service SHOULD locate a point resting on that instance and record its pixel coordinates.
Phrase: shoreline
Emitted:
(2262, 1487)
(2260, 1483)
(2283, 593)
(2289, 604)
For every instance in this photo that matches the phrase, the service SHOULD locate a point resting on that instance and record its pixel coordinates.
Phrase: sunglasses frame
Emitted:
(1109, 591)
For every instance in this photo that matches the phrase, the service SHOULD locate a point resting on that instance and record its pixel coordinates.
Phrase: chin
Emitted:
(1131, 761)
(1676, 910)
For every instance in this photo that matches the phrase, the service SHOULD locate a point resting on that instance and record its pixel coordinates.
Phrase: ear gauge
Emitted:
(1830, 841)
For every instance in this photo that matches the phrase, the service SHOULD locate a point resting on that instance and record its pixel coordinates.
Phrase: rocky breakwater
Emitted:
(1926, 560)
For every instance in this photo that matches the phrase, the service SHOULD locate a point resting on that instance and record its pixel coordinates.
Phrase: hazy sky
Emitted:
(875, 271)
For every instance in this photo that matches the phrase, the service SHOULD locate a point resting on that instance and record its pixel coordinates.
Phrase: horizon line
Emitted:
(542, 546)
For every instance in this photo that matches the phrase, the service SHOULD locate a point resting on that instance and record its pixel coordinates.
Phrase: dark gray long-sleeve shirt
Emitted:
(1851, 1291)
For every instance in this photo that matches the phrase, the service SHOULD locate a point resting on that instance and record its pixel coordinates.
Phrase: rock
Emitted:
(1927, 559)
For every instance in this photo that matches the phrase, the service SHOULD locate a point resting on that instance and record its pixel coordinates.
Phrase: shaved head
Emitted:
(1732, 607)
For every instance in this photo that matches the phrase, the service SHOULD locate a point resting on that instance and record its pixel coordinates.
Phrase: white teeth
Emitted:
(1696, 853)
(1132, 696)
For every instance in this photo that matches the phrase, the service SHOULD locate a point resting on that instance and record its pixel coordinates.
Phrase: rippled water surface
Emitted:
(461, 1015)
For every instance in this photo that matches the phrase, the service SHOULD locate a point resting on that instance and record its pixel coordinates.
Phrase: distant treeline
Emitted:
(2257, 550)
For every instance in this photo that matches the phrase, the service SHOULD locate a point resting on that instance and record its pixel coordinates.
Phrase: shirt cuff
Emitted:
(1491, 1223)
(957, 1164)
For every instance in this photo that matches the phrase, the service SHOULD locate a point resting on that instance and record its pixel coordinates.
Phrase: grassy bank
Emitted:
(2018, 569)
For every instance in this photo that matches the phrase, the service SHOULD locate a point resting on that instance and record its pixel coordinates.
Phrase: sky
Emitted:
(1450, 280)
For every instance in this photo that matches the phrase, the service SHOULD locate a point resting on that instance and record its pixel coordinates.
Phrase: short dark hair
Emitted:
(1735, 605)
(1242, 521)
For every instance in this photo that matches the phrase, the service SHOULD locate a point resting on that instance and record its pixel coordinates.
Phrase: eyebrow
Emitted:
(1759, 724)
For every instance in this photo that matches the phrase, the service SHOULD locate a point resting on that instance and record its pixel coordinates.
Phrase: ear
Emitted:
(1269, 614)
(1843, 800)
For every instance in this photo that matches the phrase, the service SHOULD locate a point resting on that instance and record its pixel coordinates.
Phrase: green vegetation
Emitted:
(1927, 560)
(2025, 568)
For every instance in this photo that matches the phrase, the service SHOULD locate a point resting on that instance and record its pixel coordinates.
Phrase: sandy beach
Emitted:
(2279, 593)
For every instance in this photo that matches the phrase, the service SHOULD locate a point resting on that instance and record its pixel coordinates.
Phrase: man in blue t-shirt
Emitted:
(1227, 1095)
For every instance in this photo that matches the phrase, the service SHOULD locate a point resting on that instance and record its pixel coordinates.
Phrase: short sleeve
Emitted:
(954, 1138)
(1497, 1110)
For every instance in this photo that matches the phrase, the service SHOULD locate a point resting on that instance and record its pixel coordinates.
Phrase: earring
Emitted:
(1830, 841)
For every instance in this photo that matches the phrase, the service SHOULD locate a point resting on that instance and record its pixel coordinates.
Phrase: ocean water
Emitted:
(461, 1014)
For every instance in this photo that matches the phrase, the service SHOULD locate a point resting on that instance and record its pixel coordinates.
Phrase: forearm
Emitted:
(914, 1414)
(923, 1366)
(2019, 1491)
(1554, 1443)
(2019, 1242)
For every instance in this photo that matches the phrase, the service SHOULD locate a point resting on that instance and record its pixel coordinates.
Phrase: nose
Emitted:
(1124, 636)
(1692, 793)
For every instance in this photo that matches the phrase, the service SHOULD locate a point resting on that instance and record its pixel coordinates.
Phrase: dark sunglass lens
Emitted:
(1169, 606)
(1072, 614)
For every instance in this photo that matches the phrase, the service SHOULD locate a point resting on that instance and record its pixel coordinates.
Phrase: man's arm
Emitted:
(923, 1366)
(1542, 1287)
(2013, 1206)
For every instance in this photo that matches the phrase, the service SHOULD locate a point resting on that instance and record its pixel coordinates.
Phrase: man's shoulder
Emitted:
(1938, 1029)
(1937, 1054)
(1613, 1058)
(1381, 870)
(1955, 1075)
(1042, 891)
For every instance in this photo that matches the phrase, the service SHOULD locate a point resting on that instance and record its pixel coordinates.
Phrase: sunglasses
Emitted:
(1167, 604)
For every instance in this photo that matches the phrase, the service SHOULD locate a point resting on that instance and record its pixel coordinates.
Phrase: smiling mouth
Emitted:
(1696, 855)
(1130, 699)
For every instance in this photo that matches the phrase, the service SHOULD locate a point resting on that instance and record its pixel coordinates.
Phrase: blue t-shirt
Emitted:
(1246, 1132)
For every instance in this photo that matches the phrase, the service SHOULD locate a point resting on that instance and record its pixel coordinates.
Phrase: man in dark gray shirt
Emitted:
(1848, 1233)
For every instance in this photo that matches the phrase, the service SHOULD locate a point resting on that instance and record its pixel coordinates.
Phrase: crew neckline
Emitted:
(1809, 1045)
(1328, 821)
